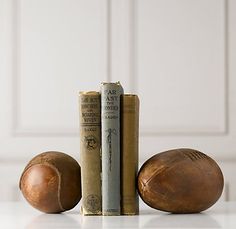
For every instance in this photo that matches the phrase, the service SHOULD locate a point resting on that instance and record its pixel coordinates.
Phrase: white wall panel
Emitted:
(60, 49)
(180, 65)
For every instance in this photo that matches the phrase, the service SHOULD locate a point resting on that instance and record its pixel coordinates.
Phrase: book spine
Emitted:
(110, 101)
(90, 145)
(129, 154)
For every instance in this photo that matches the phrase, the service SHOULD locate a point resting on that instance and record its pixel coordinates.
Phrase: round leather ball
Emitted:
(51, 182)
(180, 181)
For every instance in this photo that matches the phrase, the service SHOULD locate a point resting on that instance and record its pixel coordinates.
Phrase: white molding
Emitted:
(44, 132)
(154, 131)
(17, 129)
(228, 158)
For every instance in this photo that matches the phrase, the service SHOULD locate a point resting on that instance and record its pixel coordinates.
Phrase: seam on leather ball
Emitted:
(59, 184)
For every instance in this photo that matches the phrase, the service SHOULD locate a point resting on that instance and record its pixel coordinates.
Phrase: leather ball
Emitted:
(51, 182)
(180, 181)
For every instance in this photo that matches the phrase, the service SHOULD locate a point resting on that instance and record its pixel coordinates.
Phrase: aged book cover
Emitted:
(129, 153)
(110, 110)
(90, 145)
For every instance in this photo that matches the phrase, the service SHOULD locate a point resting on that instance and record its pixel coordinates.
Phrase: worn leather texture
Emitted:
(51, 182)
(180, 181)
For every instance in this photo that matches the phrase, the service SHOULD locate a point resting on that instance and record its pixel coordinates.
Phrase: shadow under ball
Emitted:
(51, 182)
(180, 181)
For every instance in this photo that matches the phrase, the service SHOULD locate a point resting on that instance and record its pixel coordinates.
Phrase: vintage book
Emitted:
(110, 110)
(90, 145)
(129, 153)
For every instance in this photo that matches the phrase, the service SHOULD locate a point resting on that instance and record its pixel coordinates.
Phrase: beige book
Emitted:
(90, 144)
(129, 153)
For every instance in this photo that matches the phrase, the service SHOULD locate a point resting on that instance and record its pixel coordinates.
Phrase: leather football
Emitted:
(51, 182)
(180, 181)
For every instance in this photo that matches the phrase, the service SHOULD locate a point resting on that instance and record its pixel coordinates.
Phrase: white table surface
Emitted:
(20, 215)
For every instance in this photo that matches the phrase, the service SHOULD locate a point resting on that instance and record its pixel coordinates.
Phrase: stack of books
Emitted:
(109, 132)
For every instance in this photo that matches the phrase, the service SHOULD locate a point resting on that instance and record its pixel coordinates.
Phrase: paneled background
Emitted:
(177, 55)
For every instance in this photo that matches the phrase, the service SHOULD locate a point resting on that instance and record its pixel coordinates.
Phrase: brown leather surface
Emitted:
(40, 187)
(180, 181)
(51, 182)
